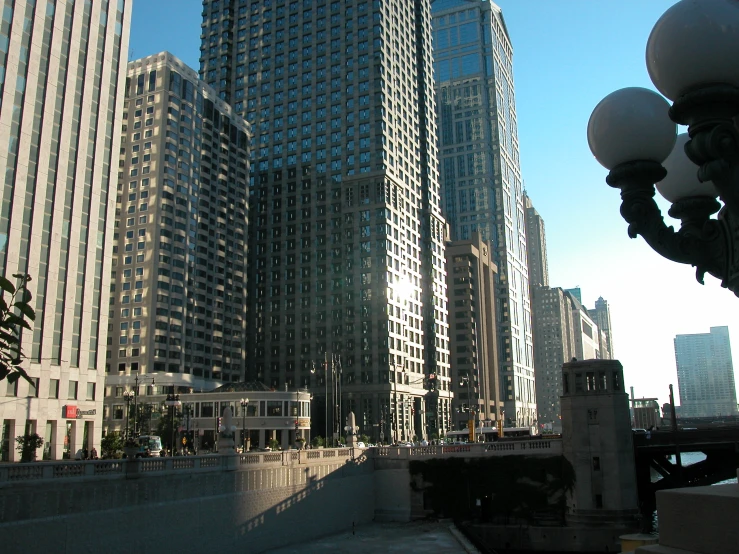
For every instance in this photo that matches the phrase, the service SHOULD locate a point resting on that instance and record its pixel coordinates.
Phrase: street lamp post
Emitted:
(128, 396)
(691, 56)
(173, 401)
(244, 403)
(135, 402)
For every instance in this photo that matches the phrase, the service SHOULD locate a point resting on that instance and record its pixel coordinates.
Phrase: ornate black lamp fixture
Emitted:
(691, 58)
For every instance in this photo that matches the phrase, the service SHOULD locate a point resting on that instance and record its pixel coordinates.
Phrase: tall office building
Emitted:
(481, 176)
(554, 345)
(536, 242)
(178, 288)
(563, 330)
(346, 254)
(62, 66)
(705, 374)
(474, 363)
(601, 315)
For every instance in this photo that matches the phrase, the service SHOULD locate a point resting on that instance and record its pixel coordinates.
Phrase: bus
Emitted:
(152, 443)
(490, 434)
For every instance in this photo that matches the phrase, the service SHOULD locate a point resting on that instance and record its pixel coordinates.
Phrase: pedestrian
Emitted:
(94, 453)
(85, 454)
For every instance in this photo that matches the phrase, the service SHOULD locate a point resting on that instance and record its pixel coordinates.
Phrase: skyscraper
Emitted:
(346, 253)
(601, 314)
(481, 175)
(178, 288)
(62, 68)
(705, 374)
(536, 241)
(474, 364)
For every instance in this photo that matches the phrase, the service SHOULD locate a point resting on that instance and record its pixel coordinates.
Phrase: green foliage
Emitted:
(111, 445)
(164, 428)
(273, 444)
(317, 441)
(512, 487)
(27, 445)
(15, 314)
(364, 438)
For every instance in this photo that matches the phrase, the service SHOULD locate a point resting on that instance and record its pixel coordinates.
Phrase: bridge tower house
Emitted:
(597, 440)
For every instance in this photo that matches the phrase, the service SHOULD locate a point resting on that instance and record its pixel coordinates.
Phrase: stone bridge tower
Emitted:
(597, 441)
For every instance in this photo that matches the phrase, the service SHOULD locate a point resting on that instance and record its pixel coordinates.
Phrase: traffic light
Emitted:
(296, 425)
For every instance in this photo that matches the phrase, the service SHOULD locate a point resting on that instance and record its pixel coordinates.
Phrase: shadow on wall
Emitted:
(249, 509)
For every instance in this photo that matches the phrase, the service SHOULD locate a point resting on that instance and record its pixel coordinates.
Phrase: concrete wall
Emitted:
(196, 511)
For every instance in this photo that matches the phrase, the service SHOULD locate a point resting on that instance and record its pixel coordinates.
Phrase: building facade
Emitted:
(481, 175)
(601, 315)
(705, 374)
(346, 238)
(63, 68)
(536, 242)
(474, 363)
(268, 415)
(554, 345)
(178, 286)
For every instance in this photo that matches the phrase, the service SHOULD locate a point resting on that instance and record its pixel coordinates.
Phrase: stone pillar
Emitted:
(597, 441)
(262, 439)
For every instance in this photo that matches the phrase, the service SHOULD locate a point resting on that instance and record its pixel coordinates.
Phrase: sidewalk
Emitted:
(414, 537)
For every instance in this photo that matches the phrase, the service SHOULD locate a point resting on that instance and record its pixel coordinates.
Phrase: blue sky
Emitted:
(568, 54)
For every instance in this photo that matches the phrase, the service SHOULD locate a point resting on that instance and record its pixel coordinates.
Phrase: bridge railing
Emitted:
(550, 447)
(94, 469)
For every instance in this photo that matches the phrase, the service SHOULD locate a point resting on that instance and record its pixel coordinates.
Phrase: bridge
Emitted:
(205, 503)
(653, 451)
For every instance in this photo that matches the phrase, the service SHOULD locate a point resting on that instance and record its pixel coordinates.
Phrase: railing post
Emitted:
(89, 468)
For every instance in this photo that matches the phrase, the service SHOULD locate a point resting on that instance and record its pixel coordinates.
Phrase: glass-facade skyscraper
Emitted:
(481, 176)
(705, 374)
(347, 279)
(62, 66)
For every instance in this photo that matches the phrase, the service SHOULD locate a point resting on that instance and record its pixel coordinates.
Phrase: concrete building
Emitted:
(178, 286)
(601, 315)
(536, 242)
(346, 237)
(705, 374)
(270, 415)
(63, 66)
(554, 345)
(481, 175)
(646, 413)
(586, 333)
(474, 364)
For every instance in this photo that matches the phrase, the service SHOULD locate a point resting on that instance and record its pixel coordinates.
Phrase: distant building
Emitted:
(576, 293)
(178, 287)
(601, 314)
(471, 285)
(646, 413)
(554, 344)
(563, 330)
(536, 242)
(705, 374)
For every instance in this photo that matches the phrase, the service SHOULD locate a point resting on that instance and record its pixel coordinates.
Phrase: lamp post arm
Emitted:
(701, 241)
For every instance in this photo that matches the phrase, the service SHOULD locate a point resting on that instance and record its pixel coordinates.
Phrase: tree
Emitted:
(15, 313)
(317, 441)
(27, 445)
(110, 445)
(164, 428)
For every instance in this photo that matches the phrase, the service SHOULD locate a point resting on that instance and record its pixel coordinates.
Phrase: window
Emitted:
(54, 388)
(33, 387)
(72, 394)
(90, 391)
(12, 389)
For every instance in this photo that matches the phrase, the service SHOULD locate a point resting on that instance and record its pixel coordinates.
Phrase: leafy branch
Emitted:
(15, 313)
